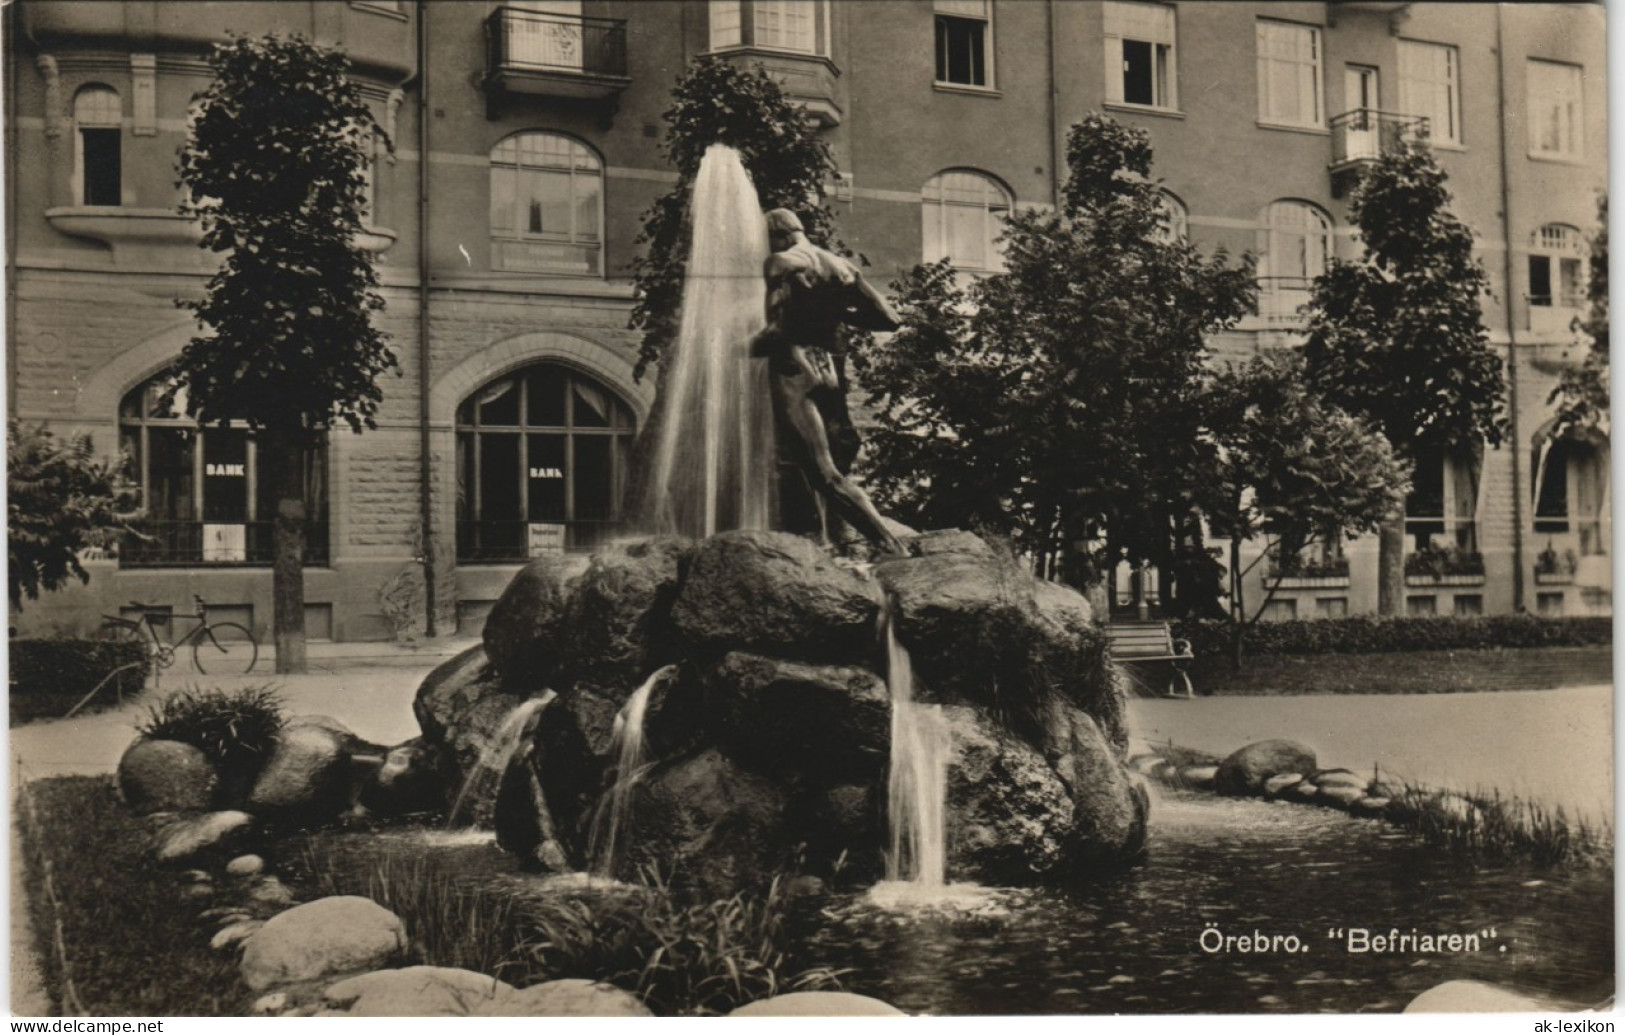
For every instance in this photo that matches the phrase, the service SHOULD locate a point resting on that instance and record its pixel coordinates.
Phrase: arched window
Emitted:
(98, 119)
(1294, 243)
(541, 464)
(1571, 495)
(1175, 218)
(1557, 267)
(962, 217)
(547, 196)
(203, 492)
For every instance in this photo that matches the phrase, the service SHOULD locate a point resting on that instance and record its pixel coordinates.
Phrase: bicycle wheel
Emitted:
(226, 647)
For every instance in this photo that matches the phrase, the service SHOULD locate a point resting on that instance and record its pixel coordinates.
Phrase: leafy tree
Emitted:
(1058, 403)
(1582, 396)
(1290, 469)
(715, 102)
(275, 167)
(60, 500)
(1398, 338)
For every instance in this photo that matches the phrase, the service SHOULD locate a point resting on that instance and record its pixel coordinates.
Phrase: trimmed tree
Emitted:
(1058, 403)
(1399, 339)
(1291, 470)
(61, 499)
(715, 102)
(275, 168)
(1582, 395)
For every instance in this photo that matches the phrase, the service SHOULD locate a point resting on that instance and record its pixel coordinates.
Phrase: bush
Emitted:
(48, 677)
(1372, 634)
(235, 729)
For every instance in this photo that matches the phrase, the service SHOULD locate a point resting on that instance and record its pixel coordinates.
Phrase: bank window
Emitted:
(964, 42)
(541, 464)
(1555, 109)
(205, 500)
(1430, 86)
(1557, 267)
(547, 198)
(1289, 81)
(98, 118)
(1294, 243)
(962, 218)
(795, 26)
(1140, 55)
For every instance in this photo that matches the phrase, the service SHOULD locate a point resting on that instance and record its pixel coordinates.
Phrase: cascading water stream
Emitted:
(917, 781)
(498, 751)
(627, 744)
(714, 452)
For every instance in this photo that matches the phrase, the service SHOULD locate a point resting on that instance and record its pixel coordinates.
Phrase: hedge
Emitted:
(71, 668)
(1370, 634)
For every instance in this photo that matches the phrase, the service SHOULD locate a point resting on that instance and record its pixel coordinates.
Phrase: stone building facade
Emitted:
(505, 254)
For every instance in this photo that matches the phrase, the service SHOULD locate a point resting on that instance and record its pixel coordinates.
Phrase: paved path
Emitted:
(1553, 746)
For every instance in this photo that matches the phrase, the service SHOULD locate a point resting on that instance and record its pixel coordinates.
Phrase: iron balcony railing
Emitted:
(167, 543)
(1365, 133)
(533, 41)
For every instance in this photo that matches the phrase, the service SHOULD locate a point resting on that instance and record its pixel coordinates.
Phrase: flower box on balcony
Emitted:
(1310, 581)
(1461, 579)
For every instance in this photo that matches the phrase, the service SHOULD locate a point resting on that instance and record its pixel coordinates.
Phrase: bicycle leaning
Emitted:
(226, 647)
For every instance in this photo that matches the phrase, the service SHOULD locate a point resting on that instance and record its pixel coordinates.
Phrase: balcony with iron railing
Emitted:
(1361, 136)
(171, 543)
(555, 55)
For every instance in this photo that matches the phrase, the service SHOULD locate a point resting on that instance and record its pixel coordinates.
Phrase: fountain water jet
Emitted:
(714, 449)
(627, 744)
(499, 751)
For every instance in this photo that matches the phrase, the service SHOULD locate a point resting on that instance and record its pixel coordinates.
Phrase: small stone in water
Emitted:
(1270, 1000)
(1120, 979)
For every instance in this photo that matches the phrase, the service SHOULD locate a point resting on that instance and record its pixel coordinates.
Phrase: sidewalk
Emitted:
(367, 686)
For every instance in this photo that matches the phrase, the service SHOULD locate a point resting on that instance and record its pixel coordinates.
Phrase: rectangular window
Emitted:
(102, 166)
(1469, 604)
(1418, 606)
(798, 26)
(1289, 90)
(1429, 85)
(727, 23)
(1140, 65)
(963, 42)
(1332, 607)
(1555, 110)
(1549, 604)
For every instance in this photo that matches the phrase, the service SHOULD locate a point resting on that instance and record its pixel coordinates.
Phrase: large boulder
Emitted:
(1477, 997)
(775, 593)
(1109, 809)
(617, 615)
(716, 825)
(413, 992)
(166, 776)
(461, 707)
(818, 1004)
(1009, 819)
(306, 780)
(567, 997)
(522, 631)
(1247, 769)
(324, 938)
(823, 723)
(406, 782)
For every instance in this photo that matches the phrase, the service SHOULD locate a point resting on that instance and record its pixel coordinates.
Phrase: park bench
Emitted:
(1152, 643)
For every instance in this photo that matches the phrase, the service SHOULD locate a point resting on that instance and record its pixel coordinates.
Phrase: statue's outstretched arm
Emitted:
(871, 311)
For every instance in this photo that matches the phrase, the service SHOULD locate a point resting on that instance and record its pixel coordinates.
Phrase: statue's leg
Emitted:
(811, 444)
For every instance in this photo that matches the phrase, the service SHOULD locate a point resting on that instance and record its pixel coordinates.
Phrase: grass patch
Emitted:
(1499, 826)
(235, 729)
(132, 947)
(1413, 672)
(681, 957)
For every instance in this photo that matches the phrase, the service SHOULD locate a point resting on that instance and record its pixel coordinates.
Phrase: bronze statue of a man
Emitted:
(811, 292)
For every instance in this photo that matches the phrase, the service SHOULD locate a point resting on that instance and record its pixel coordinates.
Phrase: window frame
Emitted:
(87, 121)
(943, 204)
(748, 36)
(578, 149)
(136, 432)
(1274, 231)
(1450, 135)
(620, 430)
(1116, 85)
(1575, 151)
(1558, 245)
(945, 11)
(1317, 64)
